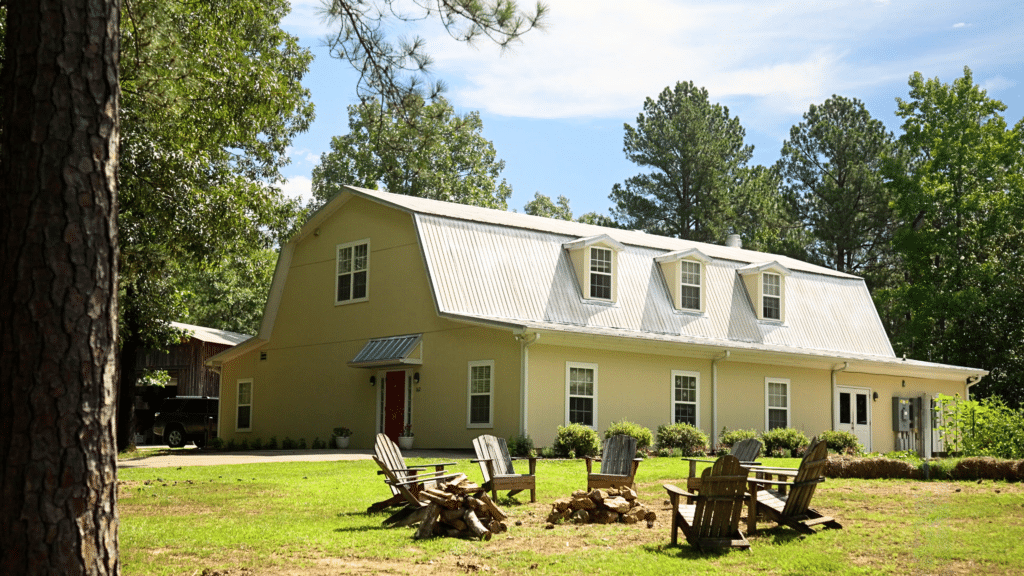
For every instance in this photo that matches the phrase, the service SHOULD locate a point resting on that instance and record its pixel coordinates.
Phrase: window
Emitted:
(776, 404)
(685, 395)
(689, 294)
(353, 268)
(581, 393)
(601, 273)
(481, 394)
(244, 417)
(771, 290)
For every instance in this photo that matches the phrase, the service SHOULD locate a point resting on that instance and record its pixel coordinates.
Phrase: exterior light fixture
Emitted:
(875, 396)
(416, 378)
(373, 380)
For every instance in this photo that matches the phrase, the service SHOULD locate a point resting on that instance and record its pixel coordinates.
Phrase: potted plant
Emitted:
(341, 436)
(405, 438)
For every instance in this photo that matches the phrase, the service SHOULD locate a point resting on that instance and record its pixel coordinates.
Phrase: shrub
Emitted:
(216, 444)
(287, 444)
(576, 440)
(985, 428)
(271, 444)
(730, 437)
(643, 435)
(786, 441)
(243, 444)
(301, 445)
(689, 440)
(257, 444)
(842, 442)
(520, 445)
(319, 444)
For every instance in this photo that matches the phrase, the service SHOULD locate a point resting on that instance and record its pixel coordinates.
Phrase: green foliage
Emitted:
(730, 437)
(841, 441)
(644, 438)
(696, 184)
(318, 444)
(832, 163)
(394, 72)
(959, 205)
(982, 428)
(576, 441)
(542, 205)
(257, 444)
(216, 444)
(688, 439)
(158, 378)
(520, 445)
(786, 441)
(430, 152)
(341, 431)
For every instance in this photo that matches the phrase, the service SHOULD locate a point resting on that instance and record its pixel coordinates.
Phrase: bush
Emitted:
(985, 428)
(643, 435)
(319, 444)
(271, 444)
(575, 441)
(689, 440)
(520, 445)
(783, 441)
(257, 444)
(730, 437)
(216, 444)
(287, 444)
(842, 442)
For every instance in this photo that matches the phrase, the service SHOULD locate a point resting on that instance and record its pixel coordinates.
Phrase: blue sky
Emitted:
(555, 105)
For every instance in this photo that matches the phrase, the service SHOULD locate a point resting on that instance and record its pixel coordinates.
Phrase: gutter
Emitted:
(524, 379)
(968, 384)
(835, 371)
(714, 398)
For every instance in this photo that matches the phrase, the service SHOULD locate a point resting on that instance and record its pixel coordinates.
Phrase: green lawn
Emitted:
(308, 518)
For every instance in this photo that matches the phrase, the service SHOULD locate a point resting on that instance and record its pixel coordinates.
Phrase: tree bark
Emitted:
(58, 297)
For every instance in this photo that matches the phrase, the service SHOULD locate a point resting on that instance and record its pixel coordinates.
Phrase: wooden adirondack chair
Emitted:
(496, 468)
(398, 476)
(746, 451)
(792, 509)
(713, 520)
(618, 464)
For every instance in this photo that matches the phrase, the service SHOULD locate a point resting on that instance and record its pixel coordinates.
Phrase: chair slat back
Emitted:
(812, 468)
(618, 455)
(746, 450)
(720, 502)
(389, 455)
(492, 448)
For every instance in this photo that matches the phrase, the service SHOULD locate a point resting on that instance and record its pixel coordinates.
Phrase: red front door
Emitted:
(394, 404)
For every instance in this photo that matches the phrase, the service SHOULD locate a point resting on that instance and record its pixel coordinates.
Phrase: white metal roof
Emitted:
(212, 334)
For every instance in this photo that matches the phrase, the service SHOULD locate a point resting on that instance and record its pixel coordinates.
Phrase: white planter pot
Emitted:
(405, 442)
(341, 442)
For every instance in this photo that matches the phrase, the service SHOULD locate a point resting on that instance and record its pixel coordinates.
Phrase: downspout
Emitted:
(968, 384)
(524, 379)
(714, 398)
(832, 402)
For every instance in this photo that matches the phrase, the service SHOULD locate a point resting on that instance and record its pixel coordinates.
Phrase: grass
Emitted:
(308, 518)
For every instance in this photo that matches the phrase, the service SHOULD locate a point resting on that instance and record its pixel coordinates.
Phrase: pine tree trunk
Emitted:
(58, 261)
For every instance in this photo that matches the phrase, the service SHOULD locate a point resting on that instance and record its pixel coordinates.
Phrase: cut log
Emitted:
(407, 517)
(426, 529)
(475, 526)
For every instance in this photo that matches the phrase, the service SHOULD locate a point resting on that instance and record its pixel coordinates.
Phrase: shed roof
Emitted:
(213, 335)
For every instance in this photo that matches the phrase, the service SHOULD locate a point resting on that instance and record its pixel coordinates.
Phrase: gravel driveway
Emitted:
(194, 457)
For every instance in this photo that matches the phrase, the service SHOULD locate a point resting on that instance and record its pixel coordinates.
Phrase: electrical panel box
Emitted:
(902, 414)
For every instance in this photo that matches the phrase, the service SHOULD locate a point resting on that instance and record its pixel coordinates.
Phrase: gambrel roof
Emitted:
(513, 270)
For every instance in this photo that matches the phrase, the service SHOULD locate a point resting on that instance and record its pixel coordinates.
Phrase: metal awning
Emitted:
(391, 351)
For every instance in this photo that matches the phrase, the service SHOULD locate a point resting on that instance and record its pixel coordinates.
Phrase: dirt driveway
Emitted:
(173, 458)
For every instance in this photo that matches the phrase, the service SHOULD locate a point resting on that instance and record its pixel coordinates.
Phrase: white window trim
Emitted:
(610, 274)
(672, 395)
(237, 405)
(568, 368)
(789, 403)
(337, 273)
(780, 296)
(700, 286)
(470, 394)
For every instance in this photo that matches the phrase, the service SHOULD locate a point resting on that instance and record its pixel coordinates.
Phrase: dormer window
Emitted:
(595, 261)
(684, 274)
(771, 296)
(766, 287)
(601, 273)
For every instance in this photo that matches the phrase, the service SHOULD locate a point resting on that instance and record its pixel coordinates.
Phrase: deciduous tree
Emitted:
(428, 151)
(58, 307)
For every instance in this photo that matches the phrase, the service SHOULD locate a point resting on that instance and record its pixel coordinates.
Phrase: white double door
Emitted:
(853, 413)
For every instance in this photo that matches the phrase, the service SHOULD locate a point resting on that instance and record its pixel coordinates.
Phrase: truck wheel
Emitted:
(175, 437)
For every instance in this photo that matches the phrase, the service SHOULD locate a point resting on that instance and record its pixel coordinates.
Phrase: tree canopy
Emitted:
(542, 205)
(428, 150)
(832, 164)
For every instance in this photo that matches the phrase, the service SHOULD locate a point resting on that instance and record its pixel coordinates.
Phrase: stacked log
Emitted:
(457, 508)
(601, 507)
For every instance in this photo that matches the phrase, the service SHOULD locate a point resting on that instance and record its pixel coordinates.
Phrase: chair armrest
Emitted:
(708, 460)
(768, 470)
(436, 464)
(677, 491)
(479, 460)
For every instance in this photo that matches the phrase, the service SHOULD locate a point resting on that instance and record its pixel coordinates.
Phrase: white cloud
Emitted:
(305, 19)
(298, 187)
(959, 25)
(997, 83)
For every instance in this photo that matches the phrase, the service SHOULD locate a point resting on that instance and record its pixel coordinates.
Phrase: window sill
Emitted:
(690, 313)
(488, 425)
(595, 302)
(779, 323)
(344, 302)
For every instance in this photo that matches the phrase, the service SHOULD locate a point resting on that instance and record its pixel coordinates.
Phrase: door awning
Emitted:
(391, 351)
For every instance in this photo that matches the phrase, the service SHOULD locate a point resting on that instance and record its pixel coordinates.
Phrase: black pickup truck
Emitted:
(186, 418)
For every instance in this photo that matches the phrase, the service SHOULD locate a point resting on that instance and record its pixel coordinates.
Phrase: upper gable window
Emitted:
(595, 261)
(684, 276)
(601, 273)
(771, 296)
(353, 272)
